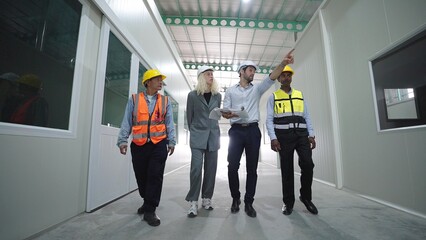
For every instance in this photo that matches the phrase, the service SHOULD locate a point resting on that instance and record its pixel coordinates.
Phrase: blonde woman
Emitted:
(204, 139)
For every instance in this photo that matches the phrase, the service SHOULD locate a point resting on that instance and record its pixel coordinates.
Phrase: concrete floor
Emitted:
(342, 215)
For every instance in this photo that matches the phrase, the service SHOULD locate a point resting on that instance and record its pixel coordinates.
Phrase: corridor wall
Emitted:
(44, 176)
(382, 166)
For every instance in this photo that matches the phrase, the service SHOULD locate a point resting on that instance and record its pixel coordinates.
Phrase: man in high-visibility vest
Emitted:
(244, 134)
(149, 118)
(290, 128)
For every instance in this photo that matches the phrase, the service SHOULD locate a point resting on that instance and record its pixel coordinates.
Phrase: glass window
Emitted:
(117, 79)
(38, 44)
(399, 79)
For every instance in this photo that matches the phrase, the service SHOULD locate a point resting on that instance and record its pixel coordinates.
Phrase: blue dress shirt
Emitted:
(248, 98)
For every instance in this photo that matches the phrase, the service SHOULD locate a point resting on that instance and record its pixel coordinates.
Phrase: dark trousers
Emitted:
(289, 142)
(149, 161)
(248, 139)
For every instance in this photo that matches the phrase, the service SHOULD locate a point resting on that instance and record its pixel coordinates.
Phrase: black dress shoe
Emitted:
(152, 219)
(250, 210)
(309, 205)
(287, 210)
(141, 210)
(235, 207)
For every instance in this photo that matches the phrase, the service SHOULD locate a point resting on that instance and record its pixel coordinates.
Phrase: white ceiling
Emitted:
(264, 39)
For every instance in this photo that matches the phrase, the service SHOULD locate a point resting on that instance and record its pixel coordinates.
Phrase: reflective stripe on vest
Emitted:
(288, 110)
(288, 126)
(148, 127)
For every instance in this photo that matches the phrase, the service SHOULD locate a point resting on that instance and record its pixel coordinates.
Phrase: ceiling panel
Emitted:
(229, 8)
(272, 9)
(211, 34)
(256, 52)
(270, 53)
(261, 37)
(178, 33)
(217, 44)
(199, 50)
(241, 53)
(227, 50)
(280, 38)
(228, 35)
(185, 48)
(245, 36)
(213, 50)
(195, 33)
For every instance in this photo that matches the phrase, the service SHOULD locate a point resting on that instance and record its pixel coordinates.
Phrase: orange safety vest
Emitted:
(21, 114)
(148, 127)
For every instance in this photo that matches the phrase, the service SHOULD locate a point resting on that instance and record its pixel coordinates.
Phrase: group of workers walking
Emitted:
(148, 117)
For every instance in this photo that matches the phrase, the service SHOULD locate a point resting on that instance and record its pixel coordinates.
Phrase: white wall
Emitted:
(144, 24)
(386, 166)
(43, 180)
(310, 77)
(143, 21)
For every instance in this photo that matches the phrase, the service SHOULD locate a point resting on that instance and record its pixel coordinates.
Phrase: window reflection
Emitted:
(400, 86)
(400, 103)
(38, 42)
(117, 79)
(398, 95)
(25, 103)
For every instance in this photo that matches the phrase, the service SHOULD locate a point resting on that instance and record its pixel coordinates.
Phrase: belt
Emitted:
(289, 126)
(244, 124)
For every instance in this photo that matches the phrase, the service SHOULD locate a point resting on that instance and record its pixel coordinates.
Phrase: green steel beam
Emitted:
(291, 26)
(223, 67)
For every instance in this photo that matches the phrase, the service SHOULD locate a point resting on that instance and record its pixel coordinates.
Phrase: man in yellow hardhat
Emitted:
(290, 128)
(149, 118)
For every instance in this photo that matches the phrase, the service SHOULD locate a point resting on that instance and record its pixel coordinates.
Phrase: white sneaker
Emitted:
(207, 203)
(193, 209)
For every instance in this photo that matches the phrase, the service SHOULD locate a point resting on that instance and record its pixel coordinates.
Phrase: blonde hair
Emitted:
(202, 86)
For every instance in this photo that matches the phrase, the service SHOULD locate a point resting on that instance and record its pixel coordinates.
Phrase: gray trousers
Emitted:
(209, 178)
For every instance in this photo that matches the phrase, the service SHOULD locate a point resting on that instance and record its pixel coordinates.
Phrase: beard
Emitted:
(249, 79)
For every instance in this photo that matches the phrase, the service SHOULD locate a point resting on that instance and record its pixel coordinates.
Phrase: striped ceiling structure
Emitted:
(223, 33)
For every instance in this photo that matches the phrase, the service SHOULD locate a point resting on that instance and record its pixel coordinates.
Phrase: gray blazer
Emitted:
(204, 132)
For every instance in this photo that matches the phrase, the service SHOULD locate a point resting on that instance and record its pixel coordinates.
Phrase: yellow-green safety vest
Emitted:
(288, 110)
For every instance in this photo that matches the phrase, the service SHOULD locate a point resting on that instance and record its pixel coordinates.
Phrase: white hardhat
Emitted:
(9, 76)
(203, 69)
(246, 64)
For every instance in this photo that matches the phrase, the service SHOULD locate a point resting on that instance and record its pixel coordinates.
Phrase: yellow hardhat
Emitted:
(151, 73)
(287, 68)
(30, 80)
